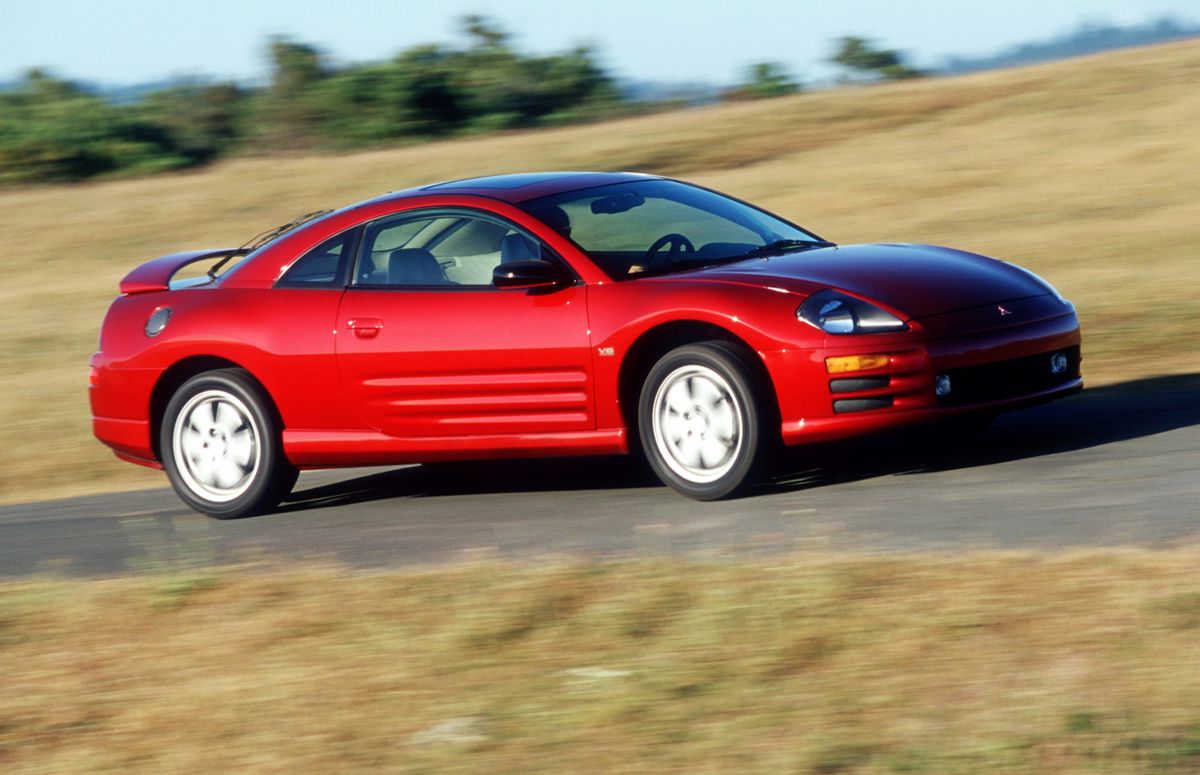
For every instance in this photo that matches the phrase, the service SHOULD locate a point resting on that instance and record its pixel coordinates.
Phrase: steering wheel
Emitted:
(679, 245)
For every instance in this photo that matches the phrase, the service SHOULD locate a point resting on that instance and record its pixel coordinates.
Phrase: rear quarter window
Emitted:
(324, 266)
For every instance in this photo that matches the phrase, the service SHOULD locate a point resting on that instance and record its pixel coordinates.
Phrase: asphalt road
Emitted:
(1118, 465)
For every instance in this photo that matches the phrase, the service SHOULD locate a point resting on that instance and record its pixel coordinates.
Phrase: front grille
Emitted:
(845, 405)
(856, 384)
(1007, 379)
(902, 384)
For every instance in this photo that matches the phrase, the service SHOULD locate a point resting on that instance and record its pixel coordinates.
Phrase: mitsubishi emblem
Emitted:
(1004, 311)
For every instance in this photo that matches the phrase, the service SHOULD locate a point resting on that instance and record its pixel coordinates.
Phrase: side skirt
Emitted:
(329, 449)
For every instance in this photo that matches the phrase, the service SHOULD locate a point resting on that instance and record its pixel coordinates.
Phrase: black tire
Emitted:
(221, 446)
(700, 420)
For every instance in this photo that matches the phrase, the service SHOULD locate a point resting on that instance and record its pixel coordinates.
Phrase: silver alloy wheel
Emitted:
(697, 423)
(217, 445)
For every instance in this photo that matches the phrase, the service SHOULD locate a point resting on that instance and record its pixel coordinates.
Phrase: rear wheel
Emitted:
(699, 420)
(221, 446)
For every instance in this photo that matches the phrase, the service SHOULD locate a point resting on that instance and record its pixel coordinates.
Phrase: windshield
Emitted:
(650, 227)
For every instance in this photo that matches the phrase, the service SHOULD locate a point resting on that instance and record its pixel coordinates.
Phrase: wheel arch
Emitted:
(654, 343)
(180, 372)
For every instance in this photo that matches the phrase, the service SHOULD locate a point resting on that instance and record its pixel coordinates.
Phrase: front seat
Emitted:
(414, 266)
(518, 247)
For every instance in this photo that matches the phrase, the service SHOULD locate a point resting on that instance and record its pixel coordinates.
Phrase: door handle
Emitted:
(365, 328)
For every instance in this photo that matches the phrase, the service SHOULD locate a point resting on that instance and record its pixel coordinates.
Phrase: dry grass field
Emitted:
(983, 663)
(1084, 171)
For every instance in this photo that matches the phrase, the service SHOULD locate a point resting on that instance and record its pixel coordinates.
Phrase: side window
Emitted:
(440, 249)
(322, 267)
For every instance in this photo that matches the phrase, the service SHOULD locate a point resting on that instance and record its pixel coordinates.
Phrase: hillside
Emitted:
(1084, 171)
(1087, 38)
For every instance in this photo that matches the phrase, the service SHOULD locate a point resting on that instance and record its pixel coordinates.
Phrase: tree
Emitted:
(55, 130)
(294, 67)
(762, 81)
(503, 89)
(483, 33)
(414, 95)
(860, 55)
(204, 120)
(289, 120)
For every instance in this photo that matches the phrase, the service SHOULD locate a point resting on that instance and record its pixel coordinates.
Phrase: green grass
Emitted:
(1083, 170)
(982, 663)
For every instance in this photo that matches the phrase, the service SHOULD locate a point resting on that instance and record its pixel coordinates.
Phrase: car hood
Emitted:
(916, 280)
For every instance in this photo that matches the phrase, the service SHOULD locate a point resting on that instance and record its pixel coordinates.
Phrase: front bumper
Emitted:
(989, 371)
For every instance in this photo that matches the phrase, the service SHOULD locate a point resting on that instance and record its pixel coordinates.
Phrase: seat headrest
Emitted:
(414, 266)
(518, 247)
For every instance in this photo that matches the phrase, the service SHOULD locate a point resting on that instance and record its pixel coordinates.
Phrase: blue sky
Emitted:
(132, 41)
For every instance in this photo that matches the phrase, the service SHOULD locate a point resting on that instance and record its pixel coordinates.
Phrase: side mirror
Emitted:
(522, 275)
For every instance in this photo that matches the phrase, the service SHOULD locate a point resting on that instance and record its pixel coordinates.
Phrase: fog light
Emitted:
(941, 384)
(1058, 363)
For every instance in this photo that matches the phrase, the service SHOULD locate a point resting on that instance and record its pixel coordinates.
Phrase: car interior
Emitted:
(441, 250)
(629, 234)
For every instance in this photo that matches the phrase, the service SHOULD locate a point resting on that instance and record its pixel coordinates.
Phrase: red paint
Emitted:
(460, 362)
(370, 375)
(155, 275)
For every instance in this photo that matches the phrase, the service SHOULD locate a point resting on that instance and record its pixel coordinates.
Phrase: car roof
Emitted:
(520, 187)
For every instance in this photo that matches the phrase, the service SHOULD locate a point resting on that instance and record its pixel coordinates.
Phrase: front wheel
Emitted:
(699, 420)
(221, 446)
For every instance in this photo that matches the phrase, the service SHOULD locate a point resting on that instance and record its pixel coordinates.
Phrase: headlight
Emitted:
(837, 313)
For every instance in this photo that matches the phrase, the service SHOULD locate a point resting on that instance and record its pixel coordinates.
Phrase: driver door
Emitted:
(427, 347)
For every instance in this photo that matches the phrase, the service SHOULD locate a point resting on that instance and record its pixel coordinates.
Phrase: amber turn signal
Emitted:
(845, 363)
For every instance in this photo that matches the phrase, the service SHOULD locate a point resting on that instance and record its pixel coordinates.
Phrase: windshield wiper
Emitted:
(685, 263)
(785, 246)
(258, 240)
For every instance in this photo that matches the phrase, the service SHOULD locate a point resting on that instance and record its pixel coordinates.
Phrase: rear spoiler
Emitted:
(156, 275)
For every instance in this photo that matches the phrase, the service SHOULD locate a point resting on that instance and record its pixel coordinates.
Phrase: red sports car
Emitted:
(555, 314)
